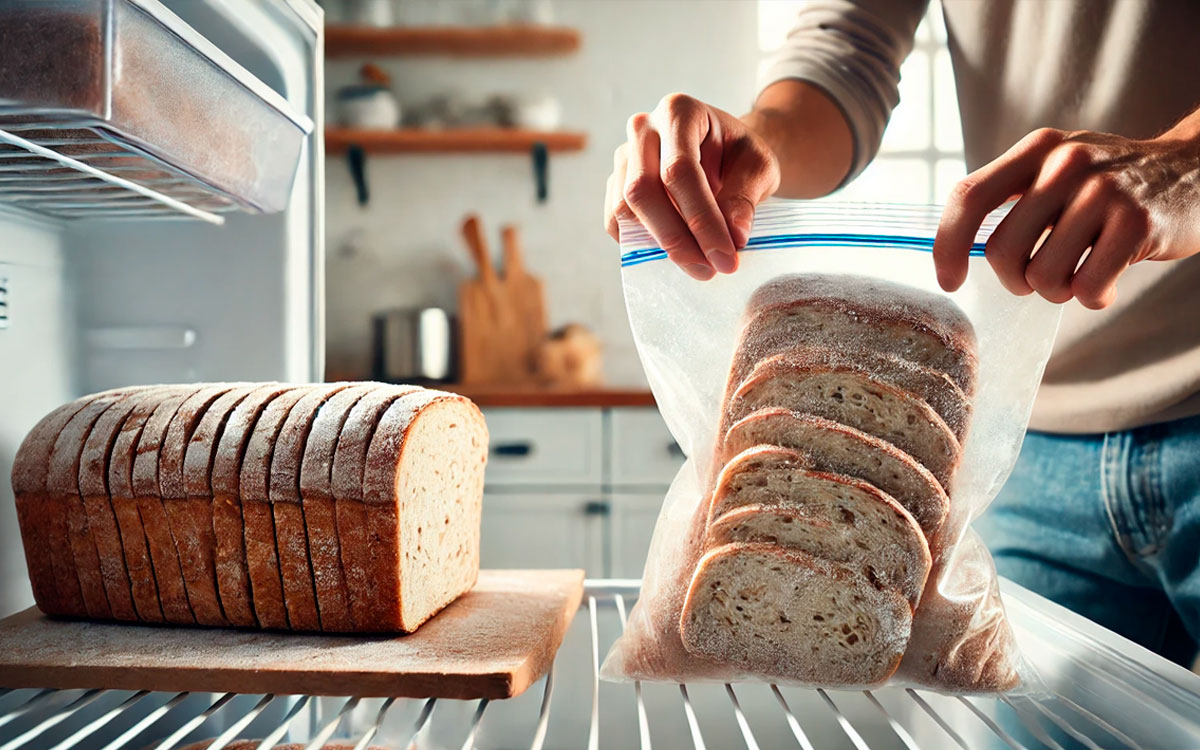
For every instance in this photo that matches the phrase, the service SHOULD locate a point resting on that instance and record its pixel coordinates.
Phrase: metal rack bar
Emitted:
(792, 722)
(1032, 724)
(1120, 736)
(194, 722)
(33, 702)
(693, 725)
(418, 725)
(1004, 736)
(747, 735)
(937, 718)
(844, 723)
(232, 731)
(594, 724)
(896, 726)
(1066, 726)
(146, 721)
(276, 734)
(318, 740)
(643, 721)
(105, 718)
(86, 699)
(539, 734)
(477, 717)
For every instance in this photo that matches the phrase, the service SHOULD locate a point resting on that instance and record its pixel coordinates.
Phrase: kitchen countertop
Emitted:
(517, 395)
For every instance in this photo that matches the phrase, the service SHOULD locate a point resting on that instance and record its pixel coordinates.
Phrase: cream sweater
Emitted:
(1130, 67)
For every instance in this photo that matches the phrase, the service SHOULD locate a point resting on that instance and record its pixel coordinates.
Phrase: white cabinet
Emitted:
(642, 448)
(551, 530)
(545, 446)
(632, 524)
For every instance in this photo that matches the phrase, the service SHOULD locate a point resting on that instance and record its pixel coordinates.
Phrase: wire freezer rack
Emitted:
(74, 170)
(572, 708)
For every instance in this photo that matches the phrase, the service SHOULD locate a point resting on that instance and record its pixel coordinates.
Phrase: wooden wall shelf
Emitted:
(483, 41)
(413, 140)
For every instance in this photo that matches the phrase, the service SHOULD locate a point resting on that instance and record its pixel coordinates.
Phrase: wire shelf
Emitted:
(572, 708)
(73, 170)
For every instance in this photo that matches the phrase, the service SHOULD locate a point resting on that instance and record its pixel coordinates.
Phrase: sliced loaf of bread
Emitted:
(423, 490)
(856, 396)
(766, 494)
(839, 449)
(790, 617)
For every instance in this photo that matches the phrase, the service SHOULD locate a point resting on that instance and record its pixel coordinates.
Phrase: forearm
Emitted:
(809, 135)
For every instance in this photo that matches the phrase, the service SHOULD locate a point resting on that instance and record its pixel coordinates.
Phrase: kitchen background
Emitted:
(404, 248)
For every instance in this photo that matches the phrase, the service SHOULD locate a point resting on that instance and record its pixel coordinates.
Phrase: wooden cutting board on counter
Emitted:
(494, 642)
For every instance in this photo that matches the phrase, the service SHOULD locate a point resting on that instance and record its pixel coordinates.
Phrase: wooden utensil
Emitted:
(494, 642)
(527, 296)
(487, 322)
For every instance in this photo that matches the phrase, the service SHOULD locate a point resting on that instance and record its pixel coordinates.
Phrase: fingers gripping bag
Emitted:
(844, 421)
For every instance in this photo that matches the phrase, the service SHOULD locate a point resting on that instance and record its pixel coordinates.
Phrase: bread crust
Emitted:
(164, 551)
(291, 538)
(30, 467)
(233, 578)
(320, 518)
(262, 557)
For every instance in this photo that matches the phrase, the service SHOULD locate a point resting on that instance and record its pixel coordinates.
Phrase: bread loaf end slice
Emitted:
(291, 539)
(423, 487)
(320, 517)
(833, 447)
(233, 578)
(792, 617)
(30, 466)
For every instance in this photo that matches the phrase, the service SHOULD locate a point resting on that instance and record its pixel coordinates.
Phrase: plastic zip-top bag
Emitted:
(844, 421)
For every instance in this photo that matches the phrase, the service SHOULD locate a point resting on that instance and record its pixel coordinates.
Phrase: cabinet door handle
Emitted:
(675, 451)
(597, 508)
(512, 450)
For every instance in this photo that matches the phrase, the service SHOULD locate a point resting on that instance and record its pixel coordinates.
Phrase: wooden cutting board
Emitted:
(494, 642)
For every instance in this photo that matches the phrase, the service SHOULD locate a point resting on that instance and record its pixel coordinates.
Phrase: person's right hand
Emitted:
(692, 175)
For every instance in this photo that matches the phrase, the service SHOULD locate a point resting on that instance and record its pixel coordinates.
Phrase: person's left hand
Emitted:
(1127, 200)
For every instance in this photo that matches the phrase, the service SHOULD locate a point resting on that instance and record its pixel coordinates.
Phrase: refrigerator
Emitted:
(161, 220)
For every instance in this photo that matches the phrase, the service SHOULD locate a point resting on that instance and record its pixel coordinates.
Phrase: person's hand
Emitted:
(1127, 200)
(692, 175)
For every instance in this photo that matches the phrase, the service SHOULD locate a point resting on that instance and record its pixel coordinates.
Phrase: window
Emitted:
(921, 157)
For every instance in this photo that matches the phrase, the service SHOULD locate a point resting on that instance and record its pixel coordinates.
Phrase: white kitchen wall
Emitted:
(404, 249)
(35, 369)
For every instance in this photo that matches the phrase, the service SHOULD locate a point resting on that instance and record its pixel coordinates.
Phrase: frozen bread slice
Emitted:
(857, 314)
(168, 573)
(66, 503)
(134, 541)
(768, 494)
(233, 579)
(291, 540)
(833, 447)
(856, 396)
(200, 552)
(262, 556)
(791, 617)
(349, 462)
(187, 517)
(423, 488)
(97, 502)
(51, 569)
(320, 518)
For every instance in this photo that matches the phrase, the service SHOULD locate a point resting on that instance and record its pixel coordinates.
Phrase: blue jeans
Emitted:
(1109, 526)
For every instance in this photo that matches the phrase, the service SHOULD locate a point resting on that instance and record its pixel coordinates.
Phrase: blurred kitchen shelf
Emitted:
(482, 41)
(533, 395)
(406, 140)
